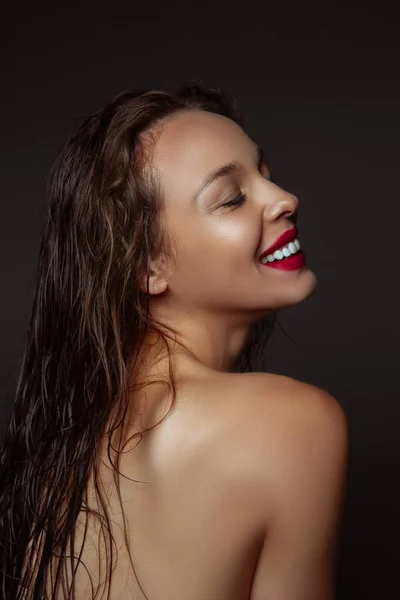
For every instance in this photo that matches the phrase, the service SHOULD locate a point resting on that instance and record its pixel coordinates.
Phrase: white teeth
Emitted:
(285, 251)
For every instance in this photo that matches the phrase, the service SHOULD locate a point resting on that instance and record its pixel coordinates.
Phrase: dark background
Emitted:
(319, 85)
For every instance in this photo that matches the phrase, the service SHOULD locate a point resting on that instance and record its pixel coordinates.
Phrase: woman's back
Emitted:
(198, 528)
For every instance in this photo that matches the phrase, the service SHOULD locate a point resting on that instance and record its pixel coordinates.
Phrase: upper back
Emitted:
(280, 452)
(207, 524)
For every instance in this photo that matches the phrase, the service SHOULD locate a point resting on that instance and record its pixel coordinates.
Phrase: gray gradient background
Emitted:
(320, 88)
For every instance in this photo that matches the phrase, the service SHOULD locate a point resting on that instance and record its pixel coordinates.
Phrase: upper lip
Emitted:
(287, 236)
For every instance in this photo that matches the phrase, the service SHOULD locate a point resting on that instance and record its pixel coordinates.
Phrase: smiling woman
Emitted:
(151, 290)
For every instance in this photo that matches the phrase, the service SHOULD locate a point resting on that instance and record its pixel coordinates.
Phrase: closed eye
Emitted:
(241, 198)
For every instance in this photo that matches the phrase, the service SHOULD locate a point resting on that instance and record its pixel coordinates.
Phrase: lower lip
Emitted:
(292, 263)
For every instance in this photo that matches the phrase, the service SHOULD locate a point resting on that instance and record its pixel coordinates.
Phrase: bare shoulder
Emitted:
(291, 454)
(274, 403)
(293, 427)
(267, 419)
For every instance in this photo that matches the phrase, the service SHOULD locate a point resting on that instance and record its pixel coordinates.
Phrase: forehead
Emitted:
(194, 143)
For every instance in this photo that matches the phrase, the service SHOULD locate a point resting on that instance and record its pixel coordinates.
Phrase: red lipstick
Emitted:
(291, 263)
(287, 236)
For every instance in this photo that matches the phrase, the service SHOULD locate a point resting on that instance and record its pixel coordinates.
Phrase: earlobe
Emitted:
(157, 286)
(157, 279)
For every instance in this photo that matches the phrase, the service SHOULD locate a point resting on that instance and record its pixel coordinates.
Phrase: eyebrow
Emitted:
(228, 169)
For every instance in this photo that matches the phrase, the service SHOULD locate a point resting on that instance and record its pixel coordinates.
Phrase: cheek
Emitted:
(237, 237)
(214, 242)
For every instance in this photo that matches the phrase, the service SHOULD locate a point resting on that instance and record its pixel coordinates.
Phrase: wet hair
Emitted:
(103, 223)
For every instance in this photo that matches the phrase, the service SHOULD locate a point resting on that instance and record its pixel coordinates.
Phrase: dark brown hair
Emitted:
(102, 225)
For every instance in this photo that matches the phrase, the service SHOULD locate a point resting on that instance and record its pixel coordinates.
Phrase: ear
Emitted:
(158, 277)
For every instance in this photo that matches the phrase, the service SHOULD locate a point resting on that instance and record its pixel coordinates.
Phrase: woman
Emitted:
(145, 458)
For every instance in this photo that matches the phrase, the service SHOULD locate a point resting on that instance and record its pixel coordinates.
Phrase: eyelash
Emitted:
(241, 198)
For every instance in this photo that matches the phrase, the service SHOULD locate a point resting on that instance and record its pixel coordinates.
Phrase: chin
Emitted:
(306, 287)
(298, 291)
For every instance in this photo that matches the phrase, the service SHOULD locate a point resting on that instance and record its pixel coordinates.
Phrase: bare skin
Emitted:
(218, 288)
(218, 520)
(246, 484)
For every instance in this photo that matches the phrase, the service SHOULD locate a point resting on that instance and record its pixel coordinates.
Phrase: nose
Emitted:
(284, 206)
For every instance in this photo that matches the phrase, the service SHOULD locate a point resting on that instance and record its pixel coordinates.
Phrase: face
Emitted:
(218, 272)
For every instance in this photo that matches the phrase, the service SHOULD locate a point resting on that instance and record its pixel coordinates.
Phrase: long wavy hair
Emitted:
(103, 223)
